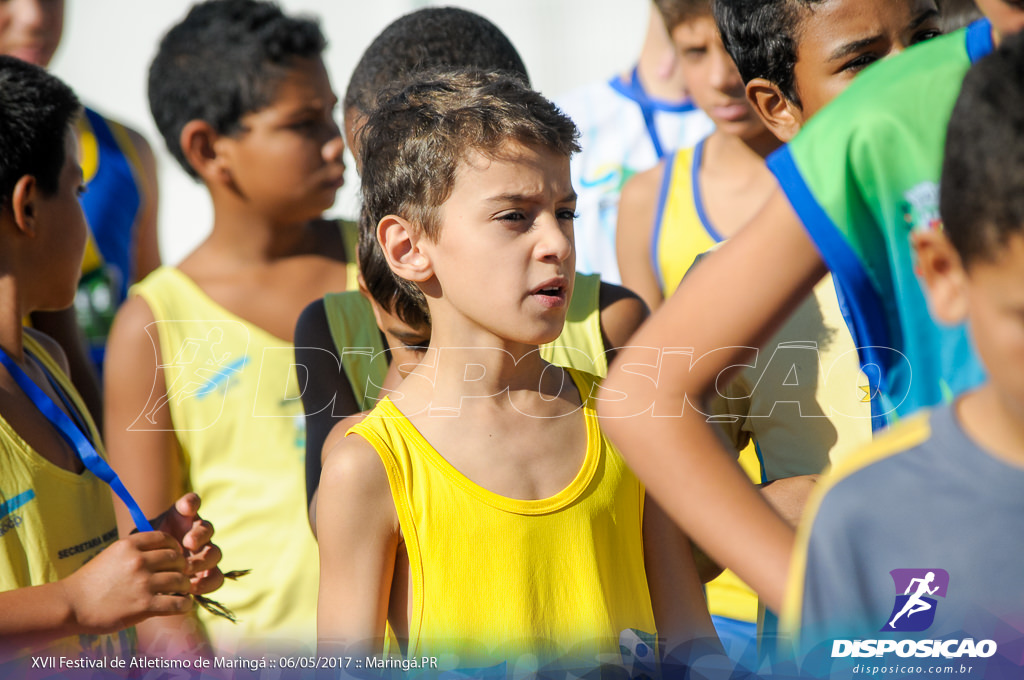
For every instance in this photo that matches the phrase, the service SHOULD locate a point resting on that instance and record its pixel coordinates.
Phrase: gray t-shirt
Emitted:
(939, 505)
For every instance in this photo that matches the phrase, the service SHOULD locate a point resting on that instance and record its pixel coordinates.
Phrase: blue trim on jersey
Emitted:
(634, 90)
(12, 504)
(698, 202)
(760, 463)
(863, 308)
(659, 215)
(979, 40)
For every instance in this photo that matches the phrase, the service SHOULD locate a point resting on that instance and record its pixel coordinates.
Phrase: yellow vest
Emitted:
(52, 521)
(238, 418)
(493, 578)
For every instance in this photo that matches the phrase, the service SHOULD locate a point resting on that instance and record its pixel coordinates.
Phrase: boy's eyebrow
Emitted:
(853, 47)
(517, 198)
(409, 338)
(857, 45)
(923, 17)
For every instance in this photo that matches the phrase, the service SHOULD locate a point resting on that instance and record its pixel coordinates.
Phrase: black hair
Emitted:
(982, 194)
(427, 39)
(224, 60)
(760, 36)
(36, 113)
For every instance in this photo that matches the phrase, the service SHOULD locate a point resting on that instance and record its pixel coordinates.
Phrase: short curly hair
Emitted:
(224, 60)
(418, 134)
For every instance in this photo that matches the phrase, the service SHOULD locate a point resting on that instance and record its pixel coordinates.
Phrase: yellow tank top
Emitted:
(52, 521)
(803, 405)
(494, 578)
(358, 343)
(237, 415)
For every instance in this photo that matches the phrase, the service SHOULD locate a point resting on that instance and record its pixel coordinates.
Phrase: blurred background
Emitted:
(108, 44)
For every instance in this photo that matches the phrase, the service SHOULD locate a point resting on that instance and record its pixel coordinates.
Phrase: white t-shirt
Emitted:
(623, 132)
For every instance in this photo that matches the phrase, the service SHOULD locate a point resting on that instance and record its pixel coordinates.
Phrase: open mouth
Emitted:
(551, 293)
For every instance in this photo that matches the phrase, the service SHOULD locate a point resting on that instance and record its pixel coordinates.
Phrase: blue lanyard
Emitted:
(72, 433)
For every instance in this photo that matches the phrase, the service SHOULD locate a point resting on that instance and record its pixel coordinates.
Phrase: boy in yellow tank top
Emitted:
(336, 333)
(478, 514)
(691, 203)
(201, 391)
(68, 586)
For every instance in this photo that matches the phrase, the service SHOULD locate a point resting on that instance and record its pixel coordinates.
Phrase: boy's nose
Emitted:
(725, 77)
(555, 244)
(334, 149)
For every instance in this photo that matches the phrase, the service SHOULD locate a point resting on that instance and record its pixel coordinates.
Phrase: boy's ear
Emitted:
(23, 204)
(781, 116)
(402, 246)
(198, 142)
(943, 274)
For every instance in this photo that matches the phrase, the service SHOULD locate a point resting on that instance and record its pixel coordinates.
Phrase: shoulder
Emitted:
(312, 328)
(51, 347)
(622, 312)
(353, 468)
(130, 331)
(645, 184)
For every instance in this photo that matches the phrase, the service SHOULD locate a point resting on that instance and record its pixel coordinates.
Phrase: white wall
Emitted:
(108, 45)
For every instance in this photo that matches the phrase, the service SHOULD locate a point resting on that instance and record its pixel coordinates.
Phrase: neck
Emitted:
(657, 66)
(994, 422)
(487, 376)
(11, 315)
(251, 239)
(730, 150)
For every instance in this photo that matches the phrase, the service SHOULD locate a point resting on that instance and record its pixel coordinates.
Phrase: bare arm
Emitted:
(147, 244)
(680, 609)
(622, 312)
(62, 326)
(359, 534)
(134, 578)
(681, 460)
(634, 231)
(144, 452)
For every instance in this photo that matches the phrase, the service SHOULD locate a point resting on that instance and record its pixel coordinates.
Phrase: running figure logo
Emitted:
(914, 610)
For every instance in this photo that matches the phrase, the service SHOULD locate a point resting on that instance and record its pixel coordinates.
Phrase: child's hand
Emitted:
(193, 533)
(136, 577)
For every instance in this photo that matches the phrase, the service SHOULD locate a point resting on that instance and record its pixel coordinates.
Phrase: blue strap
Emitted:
(74, 436)
(648, 114)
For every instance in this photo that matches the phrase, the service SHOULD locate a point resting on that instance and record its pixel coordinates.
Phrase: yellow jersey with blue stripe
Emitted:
(238, 419)
(53, 521)
(494, 579)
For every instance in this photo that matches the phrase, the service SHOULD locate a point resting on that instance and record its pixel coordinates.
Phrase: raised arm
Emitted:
(638, 205)
(359, 534)
(724, 306)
